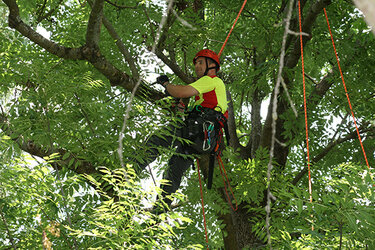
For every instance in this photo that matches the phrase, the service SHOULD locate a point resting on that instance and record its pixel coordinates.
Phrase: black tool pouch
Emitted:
(202, 129)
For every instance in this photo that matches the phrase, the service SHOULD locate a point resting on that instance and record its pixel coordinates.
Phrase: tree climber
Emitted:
(210, 103)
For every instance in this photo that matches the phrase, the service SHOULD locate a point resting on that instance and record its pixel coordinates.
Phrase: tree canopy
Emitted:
(78, 101)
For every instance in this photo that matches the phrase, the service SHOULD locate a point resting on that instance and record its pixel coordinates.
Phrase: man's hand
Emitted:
(178, 91)
(162, 79)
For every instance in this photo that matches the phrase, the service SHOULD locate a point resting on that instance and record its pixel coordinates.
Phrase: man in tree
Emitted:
(210, 97)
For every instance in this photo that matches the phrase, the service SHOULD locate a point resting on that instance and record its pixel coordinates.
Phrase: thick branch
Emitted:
(324, 152)
(170, 19)
(174, 67)
(58, 50)
(319, 91)
(307, 25)
(92, 55)
(291, 61)
(93, 27)
(256, 128)
(121, 46)
(72, 162)
(159, 47)
(234, 142)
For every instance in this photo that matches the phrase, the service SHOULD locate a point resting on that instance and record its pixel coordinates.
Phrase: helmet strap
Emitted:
(207, 68)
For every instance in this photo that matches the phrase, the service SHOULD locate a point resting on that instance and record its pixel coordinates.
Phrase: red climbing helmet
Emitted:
(209, 54)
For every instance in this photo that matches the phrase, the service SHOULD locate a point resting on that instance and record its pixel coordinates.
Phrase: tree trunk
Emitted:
(238, 227)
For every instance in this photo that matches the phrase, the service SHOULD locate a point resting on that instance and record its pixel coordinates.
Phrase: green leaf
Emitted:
(66, 156)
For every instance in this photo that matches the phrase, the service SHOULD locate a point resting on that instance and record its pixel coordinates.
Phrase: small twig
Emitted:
(151, 24)
(152, 175)
(244, 135)
(340, 229)
(343, 119)
(289, 98)
(84, 113)
(48, 14)
(2, 110)
(311, 79)
(183, 21)
(82, 4)
(297, 33)
(281, 143)
(40, 11)
(163, 21)
(113, 97)
(174, 206)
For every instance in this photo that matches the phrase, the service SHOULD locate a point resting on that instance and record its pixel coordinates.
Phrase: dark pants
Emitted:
(177, 164)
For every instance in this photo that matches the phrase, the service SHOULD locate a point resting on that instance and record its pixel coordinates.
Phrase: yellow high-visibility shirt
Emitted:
(212, 93)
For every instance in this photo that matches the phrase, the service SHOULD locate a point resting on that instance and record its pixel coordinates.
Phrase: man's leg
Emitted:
(177, 166)
(151, 148)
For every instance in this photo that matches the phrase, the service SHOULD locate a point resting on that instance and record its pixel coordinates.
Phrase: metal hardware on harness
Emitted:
(208, 128)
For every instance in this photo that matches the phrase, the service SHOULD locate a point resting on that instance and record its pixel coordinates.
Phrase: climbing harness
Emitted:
(202, 127)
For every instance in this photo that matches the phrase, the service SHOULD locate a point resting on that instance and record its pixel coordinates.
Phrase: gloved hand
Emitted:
(162, 79)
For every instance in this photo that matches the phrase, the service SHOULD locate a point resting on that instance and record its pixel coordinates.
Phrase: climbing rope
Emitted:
(346, 91)
(226, 186)
(221, 165)
(226, 183)
(230, 32)
(304, 101)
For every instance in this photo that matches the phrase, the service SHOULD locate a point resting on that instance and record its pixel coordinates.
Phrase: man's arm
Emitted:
(180, 91)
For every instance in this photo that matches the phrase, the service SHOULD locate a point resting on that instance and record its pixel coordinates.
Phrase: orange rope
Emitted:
(346, 91)
(230, 32)
(304, 101)
(204, 215)
(222, 169)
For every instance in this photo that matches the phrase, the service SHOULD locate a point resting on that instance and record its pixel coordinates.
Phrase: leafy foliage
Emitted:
(68, 113)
